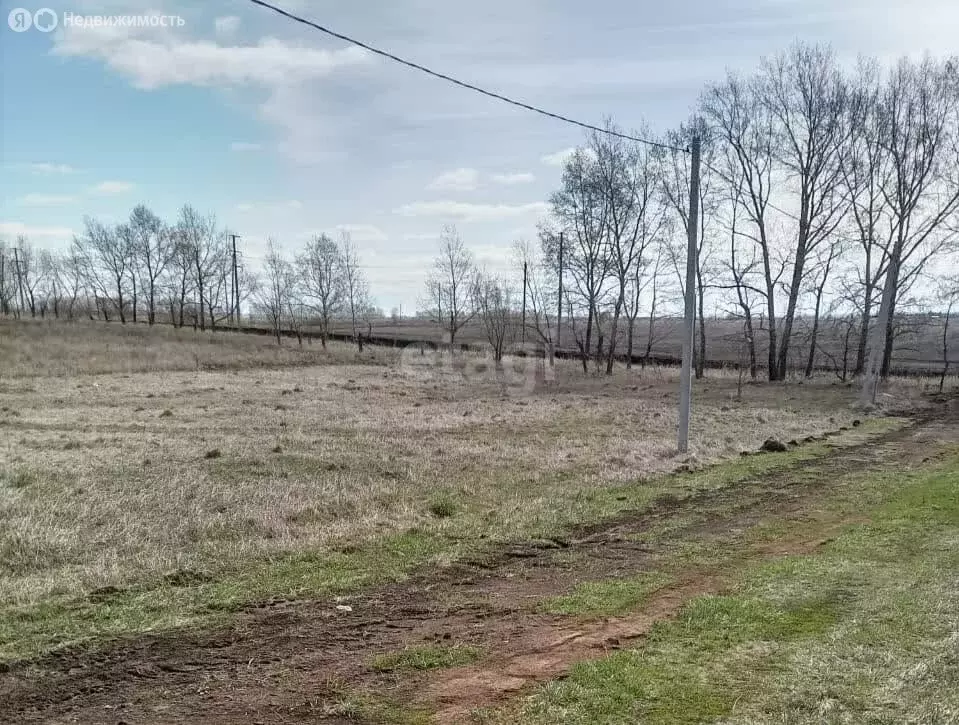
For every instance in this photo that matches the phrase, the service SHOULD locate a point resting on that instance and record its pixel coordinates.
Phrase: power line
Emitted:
(462, 84)
(768, 203)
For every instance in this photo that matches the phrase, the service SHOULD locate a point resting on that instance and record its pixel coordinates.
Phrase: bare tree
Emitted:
(454, 280)
(272, 298)
(319, 269)
(8, 284)
(152, 249)
(865, 169)
(203, 245)
(495, 306)
(627, 175)
(642, 279)
(179, 280)
(948, 293)
(580, 206)
(107, 264)
(354, 283)
(741, 270)
(807, 96)
(33, 272)
(818, 278)
(740, 118)
(921, 107)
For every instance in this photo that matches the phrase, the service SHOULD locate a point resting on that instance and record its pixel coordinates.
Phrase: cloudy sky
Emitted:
(281, 131)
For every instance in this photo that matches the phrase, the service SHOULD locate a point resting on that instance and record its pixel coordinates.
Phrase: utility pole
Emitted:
(689, 320)
(3, 284)
(17, 271)
(236, 286)
(559, 297)
(524, 301)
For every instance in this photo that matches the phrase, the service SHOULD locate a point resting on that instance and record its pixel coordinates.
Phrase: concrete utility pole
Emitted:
(3, 285)
(525, 270)
(559, 297)
(236, 285)
(689, 320)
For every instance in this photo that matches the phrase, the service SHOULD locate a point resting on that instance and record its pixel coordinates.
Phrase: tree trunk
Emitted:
(864, 332)
(612, 336)
(584, 347)
(700, 357)
(811, 360)
(945, 348)
(888, 343)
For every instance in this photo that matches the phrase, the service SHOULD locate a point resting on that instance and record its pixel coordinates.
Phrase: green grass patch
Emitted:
(862, 631)
(369, 708)
(607, 598)
(425, 657)
(30, 630)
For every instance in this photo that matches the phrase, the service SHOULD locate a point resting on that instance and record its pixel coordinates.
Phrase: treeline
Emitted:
(142, 270)
(827, 197)
(187, 272)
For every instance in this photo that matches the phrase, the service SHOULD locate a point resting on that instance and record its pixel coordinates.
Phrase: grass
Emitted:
(865, 630)
(324, 478)
(425, 657)
(607, 598)
(31, 348)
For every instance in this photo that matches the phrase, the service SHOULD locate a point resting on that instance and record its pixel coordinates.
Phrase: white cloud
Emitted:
(112, 187)
(46, 200)
(513, 178)
(226, 25)
(244, 146)
(471, 212)
(457, 180)
(273, 206)
(558, 158)
(420, 236)
(157, 59)
(363, 232)
(45, 168)
(11, 230)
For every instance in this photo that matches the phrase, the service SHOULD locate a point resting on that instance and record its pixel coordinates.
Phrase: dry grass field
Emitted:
(33, 348)
(151, 479)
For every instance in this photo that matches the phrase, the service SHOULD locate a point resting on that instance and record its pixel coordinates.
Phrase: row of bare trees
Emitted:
(142, 270)
(184, 273)
(826, 195)
(321, 284)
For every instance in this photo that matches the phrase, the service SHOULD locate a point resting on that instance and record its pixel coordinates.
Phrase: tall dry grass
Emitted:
(56, 348)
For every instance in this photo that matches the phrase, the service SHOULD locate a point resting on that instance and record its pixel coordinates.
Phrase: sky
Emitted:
(283, 132)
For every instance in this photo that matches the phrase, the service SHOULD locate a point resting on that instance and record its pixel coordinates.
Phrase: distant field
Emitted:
(918, 349)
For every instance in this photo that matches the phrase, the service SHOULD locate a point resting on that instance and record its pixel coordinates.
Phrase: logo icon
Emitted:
(20, 20)
(45, 20)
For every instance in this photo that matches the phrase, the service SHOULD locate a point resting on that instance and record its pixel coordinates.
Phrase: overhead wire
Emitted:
(463, 84)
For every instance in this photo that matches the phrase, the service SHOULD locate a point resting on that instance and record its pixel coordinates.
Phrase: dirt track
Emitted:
(291, 662)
